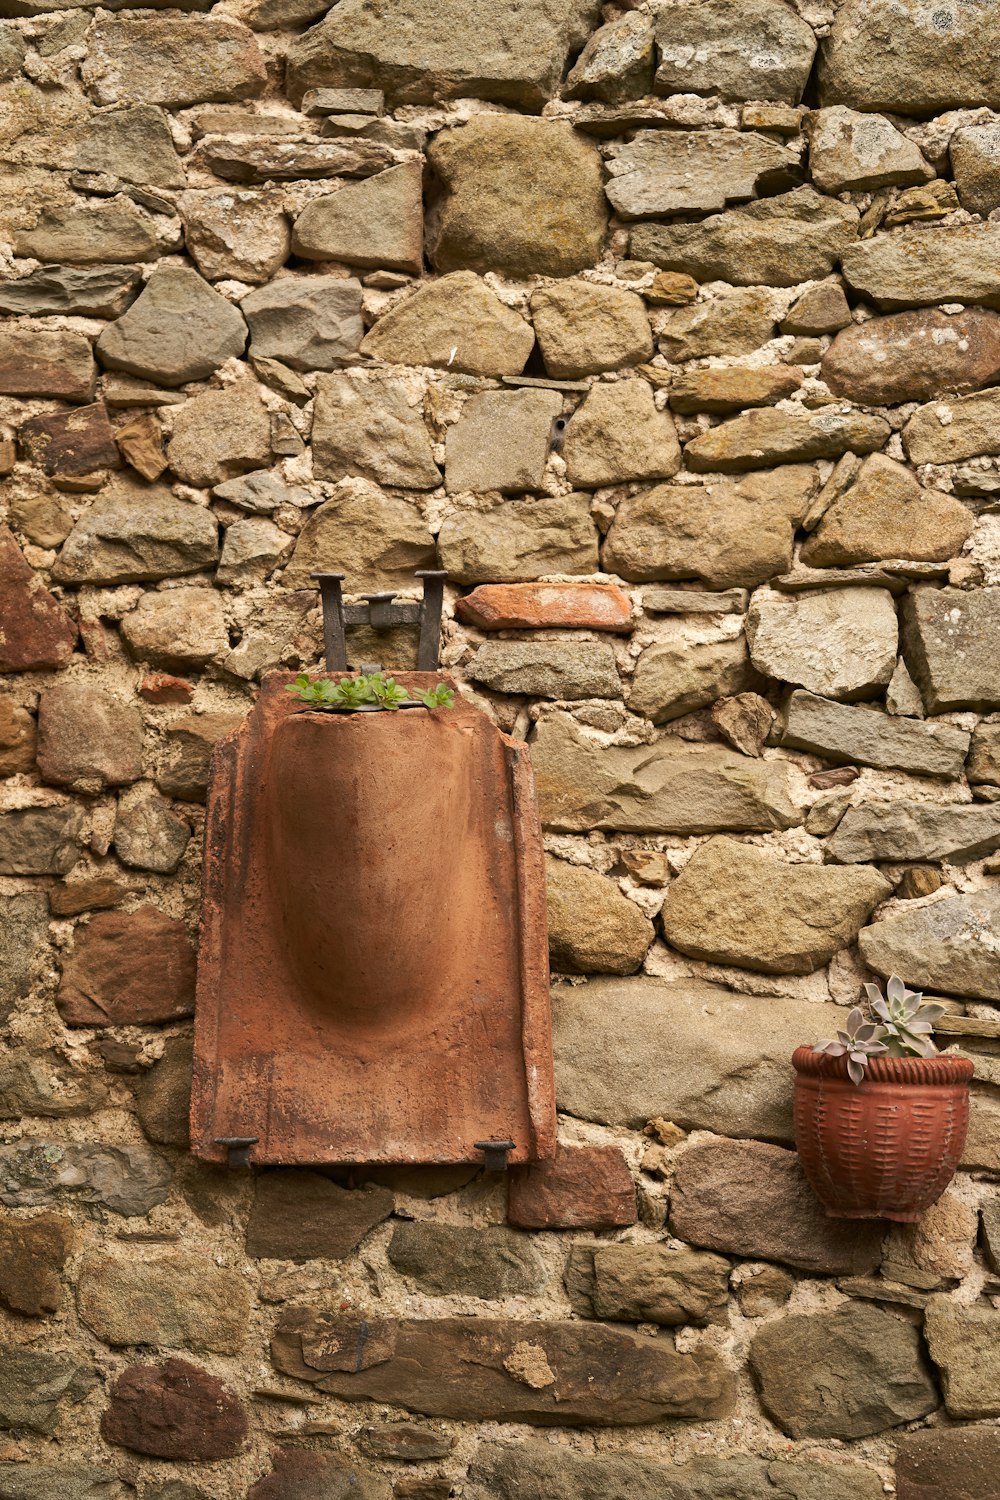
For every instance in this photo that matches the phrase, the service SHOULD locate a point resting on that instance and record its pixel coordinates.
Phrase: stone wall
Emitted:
(668, 330)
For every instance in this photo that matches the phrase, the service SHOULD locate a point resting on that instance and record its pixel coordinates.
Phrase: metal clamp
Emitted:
(495, 1153)
(380, 613)
(239, 1148)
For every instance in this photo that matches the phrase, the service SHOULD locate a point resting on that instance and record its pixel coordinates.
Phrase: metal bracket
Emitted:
(239, 1148)
(495, 1153)
(382, 614)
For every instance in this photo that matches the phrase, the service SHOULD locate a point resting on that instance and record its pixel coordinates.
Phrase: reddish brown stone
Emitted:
(300, 1215)
(128, 969)
(585, 1187)
(72, 442)
(174, 1410)
(17, 738)
(70, 898)
(189, 744)
(531, 606)
(839, 776)
(951, 1463)
(43, 363)
(88, 735)
(8, 456)
(299, 1474)
(141, 445)
(35, 631)
(160, 687)
(32, 1255)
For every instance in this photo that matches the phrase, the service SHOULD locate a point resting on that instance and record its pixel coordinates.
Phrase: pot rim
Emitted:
(919, 1071)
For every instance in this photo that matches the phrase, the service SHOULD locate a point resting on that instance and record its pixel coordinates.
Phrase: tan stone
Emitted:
(511, 543)
(377, 540)
(456, 323)
(737, 322)
(671, 289)
(180, 630)
(140, 443)
(593, 928)
(617, 435)
(647, 1283)
(677, 677)
(172, 60)
(839, 643)
(88, 735)
(974, 158)
(82, 233)
(178, 1298)
(885, 514)
(758, 50)
(17, 738)
(617, 62)
(178, 330)
(960, 263)
(34, 363)
(375, 223)
(744, 721)
(239, 234)
(822, 309)
(307, 322)
(914, 356)
(219, 435)
(501, 442)
(851, 152)
(948, 430)
(663, 172)
(762, 437)
(584, 328)
(728, 390)
(372, 426)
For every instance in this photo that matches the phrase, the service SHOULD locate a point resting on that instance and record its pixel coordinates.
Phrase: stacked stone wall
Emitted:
(672, 331)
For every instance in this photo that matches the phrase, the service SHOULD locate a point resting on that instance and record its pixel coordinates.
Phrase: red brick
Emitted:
(584, 1187)
(530, 606)
(35, 630)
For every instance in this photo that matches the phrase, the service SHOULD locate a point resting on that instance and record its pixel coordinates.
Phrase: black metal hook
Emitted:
(380, 613)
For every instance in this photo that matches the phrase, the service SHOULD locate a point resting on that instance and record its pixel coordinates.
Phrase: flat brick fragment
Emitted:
(80, 441)
(128, 969)
(534, 606)
(584, 1187)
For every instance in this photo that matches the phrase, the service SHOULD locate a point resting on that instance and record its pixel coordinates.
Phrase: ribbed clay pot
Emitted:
(885, 1148)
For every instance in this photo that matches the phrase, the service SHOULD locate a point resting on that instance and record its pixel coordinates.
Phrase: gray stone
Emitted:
(869, 738)
(661, 172)
(133, 144)
(128, 1180)
(922, 267)
(81, 233)
(726, 1068)
(851, 152)
(838, 644)
(518, 543)
(916, 830)
(33, 1383)
(686, 601)
(548, 669)
(344, 101)
(951, 642)
(88, 735)
(617, 436)
(173, 61)
(584, 328)
(940, 946)
(846, 1374)
(677, 677)
(948, 430)
(617, 62)
(239, 234)
(309, 323)
(758, 50)
(735, 904)
(180, 630)
(885, 514)
(28, 1481)
(90, 291)
(501, 442)
(520, 196)
(449, 1258)
(593, 928)
(661, 788)
(178, 330)
(300, 1215)
(749, 1199)
(163, 1094)
(13, 45)
(263, 492)
(893, 55)
(220, 434)
(378, 540)
(24, 940)
(974, 159)
(40, 840)
(456, 323)
(372, 425)
(444, 49)
(376, 223)
(178, 1298)
(735, 322)
(138, 533)
(251, 551)
(646, 1284)
(148, 834)
(761, 437)
(797, 236)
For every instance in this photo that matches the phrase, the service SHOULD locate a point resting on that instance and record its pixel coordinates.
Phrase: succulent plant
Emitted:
(859, 1040)
(902, 1027)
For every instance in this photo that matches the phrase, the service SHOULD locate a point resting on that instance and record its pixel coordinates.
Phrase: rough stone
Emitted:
(797, 236)
(129, 968)
(81, 233)
(174, 61)
(189, 743)
(548, 669)
(267, 160)
(951, 641)
(163, 1094)
(371, 426)
(915, 830)
(744, 721)
(48, 363)
(451, 1258)
(30, 1481)
(17, 738)
(502, 1369)
(983, 765)
(839, 643)
(444, 49)
(676, 677)
(379, 541)
(239, 234)
(251, 552)
(305, 1474)
(846, 1374)
(750, 1199)
(821, 309)
(963, 1344)
(737, 322)
(219, 435)
(34, 1383)
(263, 492)
(43, 518)
(914, 356)
(33, 1253)
(582, 1187)
(88, 735)
(947, 1463)
(410, 1441)
(520, 196)
(181, 630)
(661, 172)
(178, 330)
(869, 738)
(174, 1410)
(947, 431)
(127, 1180)
(133, 144)
(763, 50)
(148, 834)
(926, 266)
(70, 443)
(24, 939)
(886, 514)
(617, 62)
(36, 632)
(735, 904)
(761, 437)
(456, 322)
(974, 162)
(518, 542)
(939, 946)
(646, 1284)
(937, 1250)
(584, 328)
(727, 533)
(617, 436)
(851, 152)
(300, 1215)
(40, 840)
(179, 1298)
(378, 223)
(593, 928)
(39, 1084)
(726, 1068)
(724, 391)
(136, 533)
(655, 788)
(501, 442)
(309, 323)
(528, 606)
(91, 291)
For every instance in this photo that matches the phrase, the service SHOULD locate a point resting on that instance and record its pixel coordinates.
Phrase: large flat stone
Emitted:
(40, 840)
(584, 328)
(218, 435)
(87, 734)
(178, 1298)
(964, 1345)
(914, 356)
(513, 543)
(308, 323)
(127, 1180)
(173, 61)
(951, 641)
(921, 267)
(34, 1384)
(901, 830)
(36, 632)
(46, 363)
(939, 946)
(867, 737)
(541, 1373)
(727, 1068)
(659, 788)
(617, 436)
(838, 643)
(886, 514)
(761, 437)
(70, 443)
(375, 223)
(501, 442)
(758, 50)
(240, 235)
(456, 323)
(750, 1199)
(661, 172)
(548, 669)
(851, 152)
(583, 1187)
(178, 330)
(178, 630)
(300, 1215)
(733, 322)
(133, 144)
(29, 1481)
(82, 233)
(378, 540)
(91, 291)
(138, 533)
(372, 426)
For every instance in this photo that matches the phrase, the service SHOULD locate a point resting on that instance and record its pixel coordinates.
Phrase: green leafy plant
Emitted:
(902, 1027)
(375, 690)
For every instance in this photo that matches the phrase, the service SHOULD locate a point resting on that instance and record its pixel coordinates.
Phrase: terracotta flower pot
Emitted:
(885, 1148)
